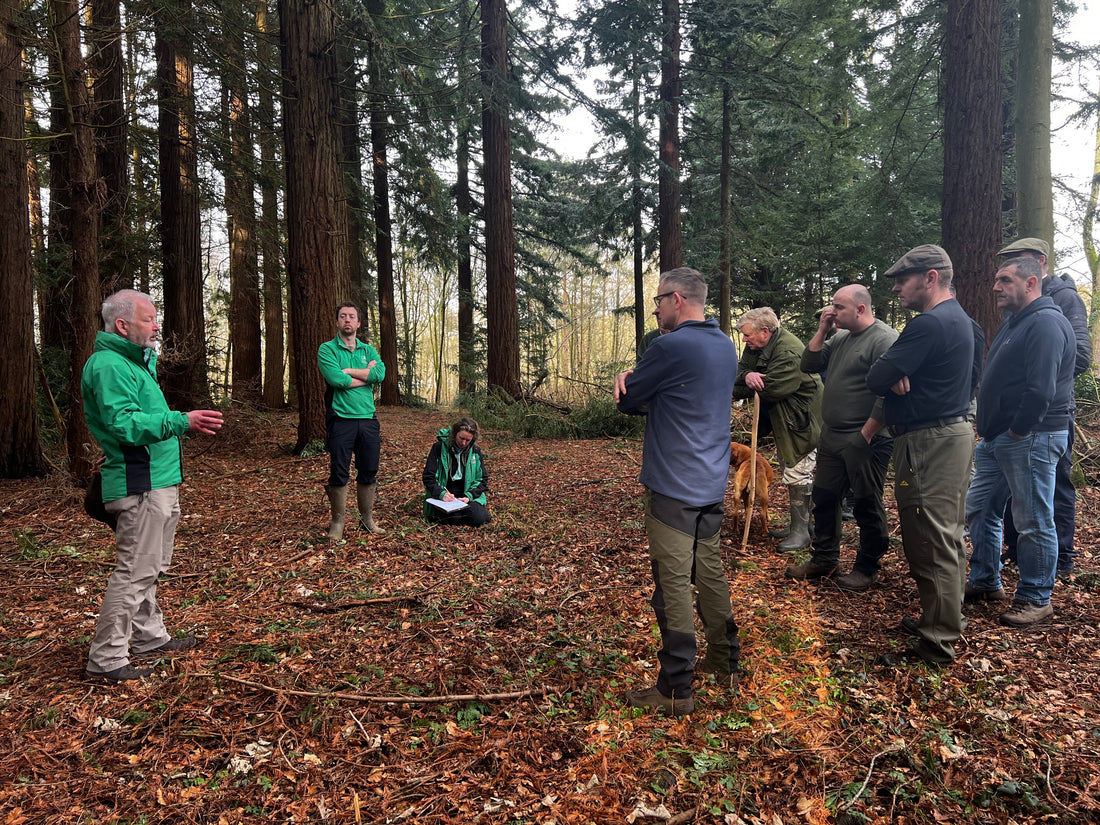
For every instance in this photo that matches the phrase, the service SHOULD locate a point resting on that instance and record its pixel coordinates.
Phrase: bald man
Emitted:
(854, 451)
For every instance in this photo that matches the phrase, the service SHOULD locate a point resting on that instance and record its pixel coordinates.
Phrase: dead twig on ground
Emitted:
(363, 697)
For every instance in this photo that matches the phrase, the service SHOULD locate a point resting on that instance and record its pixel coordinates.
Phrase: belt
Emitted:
(902, 429)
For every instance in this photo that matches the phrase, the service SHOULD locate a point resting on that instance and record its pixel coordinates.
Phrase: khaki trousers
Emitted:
(684, 550)
(130, 615)
(931, 474)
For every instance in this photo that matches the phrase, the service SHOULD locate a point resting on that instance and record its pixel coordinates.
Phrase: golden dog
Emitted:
(741, 469)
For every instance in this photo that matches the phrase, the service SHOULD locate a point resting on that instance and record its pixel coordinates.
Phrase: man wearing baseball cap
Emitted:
(927, 379)
(1062, 290)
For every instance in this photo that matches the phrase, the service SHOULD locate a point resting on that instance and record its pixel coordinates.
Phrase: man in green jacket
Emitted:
(351, 370)
(790, 406)
(140, 438)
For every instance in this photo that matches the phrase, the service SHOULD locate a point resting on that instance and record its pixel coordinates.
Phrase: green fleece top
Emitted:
(126, 412)
(847, 403)
(347, 401)
(791, 399)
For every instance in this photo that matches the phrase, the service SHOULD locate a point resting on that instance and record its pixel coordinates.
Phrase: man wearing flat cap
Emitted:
(1023, 417)
(927, 378)
(1061, 290)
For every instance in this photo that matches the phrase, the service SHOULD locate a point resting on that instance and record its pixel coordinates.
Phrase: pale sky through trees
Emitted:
(1073, 145)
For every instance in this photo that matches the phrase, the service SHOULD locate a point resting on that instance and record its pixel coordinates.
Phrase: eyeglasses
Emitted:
(657, 298)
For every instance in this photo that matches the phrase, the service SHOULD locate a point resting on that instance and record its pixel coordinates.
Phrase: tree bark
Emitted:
(668, 173)
(20, 444)
(502, 315)
(467, 359)
(183, 364)
(725, 286)
(971, 210)
(270, 184)
(1034, 196)
(635, 148)
(1089, 241)
(109, 123)
(83, 212)
(317, 255)
(383, 234)
(240, 206)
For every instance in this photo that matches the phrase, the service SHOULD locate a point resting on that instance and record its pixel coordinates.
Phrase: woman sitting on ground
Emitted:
(455, 471)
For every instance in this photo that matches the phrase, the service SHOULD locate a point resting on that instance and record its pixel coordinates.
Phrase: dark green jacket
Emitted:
(791, 399)
(439, 468)
(126, 412)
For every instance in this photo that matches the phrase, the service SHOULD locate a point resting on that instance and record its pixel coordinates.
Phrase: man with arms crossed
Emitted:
(351, 370)
(1025, 408)
(140, 438)
(852, 452)
(927, 379)
(684, 382)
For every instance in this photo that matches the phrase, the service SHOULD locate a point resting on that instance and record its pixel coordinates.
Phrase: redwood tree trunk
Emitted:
(668, 174)
(240, 202)
(467, 358)
(383, 234)
(641, 301)
(109, 121)
(84, 229)
(725, 278)
(971, 214)
(316, 240)
(270, 184)
(502, 316)
(1035, 198)
(20, 447)
(183, 365)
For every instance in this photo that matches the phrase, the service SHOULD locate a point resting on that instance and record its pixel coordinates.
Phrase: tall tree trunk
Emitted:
(1035, 199)
(352, 164)
(270, 184)
(317, 255)
(383, 235)
(725, 196)
(971, 213)
(1089, 240)
(20, 446)
(54, 285)
(80, 160)
(502, 315)
(637, 137)
(183, 366)
(109, 122)
(467, 357)
(240, 203)
(668, 173)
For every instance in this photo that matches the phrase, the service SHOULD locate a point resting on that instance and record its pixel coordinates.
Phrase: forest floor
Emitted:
(452, 675)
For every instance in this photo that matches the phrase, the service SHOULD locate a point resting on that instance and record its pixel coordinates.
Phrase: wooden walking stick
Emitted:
(752, 470)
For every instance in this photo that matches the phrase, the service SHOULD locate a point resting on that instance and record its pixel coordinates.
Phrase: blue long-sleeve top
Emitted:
(684, 382)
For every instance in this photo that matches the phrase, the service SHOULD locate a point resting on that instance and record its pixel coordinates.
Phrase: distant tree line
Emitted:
(251, 165)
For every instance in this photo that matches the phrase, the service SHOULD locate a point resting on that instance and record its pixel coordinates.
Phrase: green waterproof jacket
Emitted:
(126, 412)
(791, 399)
(439, 468)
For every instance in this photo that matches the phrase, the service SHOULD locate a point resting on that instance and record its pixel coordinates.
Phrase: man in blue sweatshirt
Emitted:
(684, 383)
(1025, 407)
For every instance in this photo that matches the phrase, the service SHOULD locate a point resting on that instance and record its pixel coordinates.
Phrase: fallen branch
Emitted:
(336, 607)
(363, 697)
(897, 746)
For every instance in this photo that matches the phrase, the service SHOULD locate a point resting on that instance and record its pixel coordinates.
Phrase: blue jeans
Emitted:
(1023, 470)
